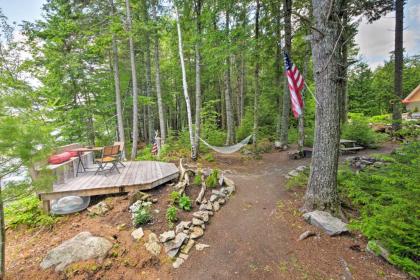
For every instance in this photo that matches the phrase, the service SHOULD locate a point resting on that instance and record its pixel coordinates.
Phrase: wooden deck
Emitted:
(136, 175)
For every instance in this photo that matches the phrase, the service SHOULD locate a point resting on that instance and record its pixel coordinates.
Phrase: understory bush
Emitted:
(27, 211)
(388, 199)
(357, 128)
(142, 216)
(211, 180)
(171, 214)
(185, 203)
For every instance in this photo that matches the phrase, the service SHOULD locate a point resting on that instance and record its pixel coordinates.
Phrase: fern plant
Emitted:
(171, 214)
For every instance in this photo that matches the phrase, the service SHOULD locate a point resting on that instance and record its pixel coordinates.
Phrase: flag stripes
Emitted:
(296, 83)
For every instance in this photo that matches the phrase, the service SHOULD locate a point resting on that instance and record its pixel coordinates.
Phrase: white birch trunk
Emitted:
(184, 82)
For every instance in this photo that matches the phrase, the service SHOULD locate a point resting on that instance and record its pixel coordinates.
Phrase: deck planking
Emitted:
(140, 175)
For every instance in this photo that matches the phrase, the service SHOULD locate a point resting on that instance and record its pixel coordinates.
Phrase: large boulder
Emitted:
(82, 247)
(324, 220)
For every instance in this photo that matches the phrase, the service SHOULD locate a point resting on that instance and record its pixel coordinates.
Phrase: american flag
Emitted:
(155, 148)
(296, 84)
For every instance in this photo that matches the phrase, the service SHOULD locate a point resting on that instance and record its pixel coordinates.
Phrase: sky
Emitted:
(375, 40)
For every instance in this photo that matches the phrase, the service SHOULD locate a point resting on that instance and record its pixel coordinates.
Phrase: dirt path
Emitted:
(255, 235)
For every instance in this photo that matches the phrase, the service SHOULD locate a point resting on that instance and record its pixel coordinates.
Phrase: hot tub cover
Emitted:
(69, 204)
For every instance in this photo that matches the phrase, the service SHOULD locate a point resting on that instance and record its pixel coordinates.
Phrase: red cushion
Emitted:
(73, 153)
(60, 158)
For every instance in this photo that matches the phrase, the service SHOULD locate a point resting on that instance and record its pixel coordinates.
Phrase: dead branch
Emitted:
(202, 191)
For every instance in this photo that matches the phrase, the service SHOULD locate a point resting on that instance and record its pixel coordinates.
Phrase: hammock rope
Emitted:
(228, 149)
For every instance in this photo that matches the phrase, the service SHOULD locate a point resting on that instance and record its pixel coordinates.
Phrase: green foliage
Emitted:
(185, 203)
(174, 196)
(409, 130)
(211, 180)
(388, 200)
(358, 129)
(142, 216)
(27, 211)
(209, 157)
(298, 181)
(197, 178)
(382, 119)
(171, 214)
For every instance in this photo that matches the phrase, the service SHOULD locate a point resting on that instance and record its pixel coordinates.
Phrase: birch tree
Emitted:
(184, 82)
(230, 123)
(116, 72)
(149, 111)
(134, 81)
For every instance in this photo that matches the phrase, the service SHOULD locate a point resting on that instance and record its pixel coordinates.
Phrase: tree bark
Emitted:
(343, 64)
(256, 76)
(134, 80)
(162, 121)
(116, 71)
(184, 82)
(197, 82)
(230, 123)
(398, 71)
(285, 115)
(2, 240)
(278, 72)
(150, 117)
(322, 187)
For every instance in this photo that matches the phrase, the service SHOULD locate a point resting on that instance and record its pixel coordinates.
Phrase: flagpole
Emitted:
(307, 87)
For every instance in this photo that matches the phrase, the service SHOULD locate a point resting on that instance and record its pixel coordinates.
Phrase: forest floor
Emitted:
(254, 236)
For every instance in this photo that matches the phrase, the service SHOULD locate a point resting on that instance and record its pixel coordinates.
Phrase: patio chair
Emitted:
(109, 155)
(120, 152)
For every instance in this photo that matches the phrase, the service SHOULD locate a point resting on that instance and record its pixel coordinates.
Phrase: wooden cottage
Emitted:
(412, 101)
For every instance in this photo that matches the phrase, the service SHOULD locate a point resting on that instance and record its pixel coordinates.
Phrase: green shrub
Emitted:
(209, 157)
(174, 196)
(382, 119)
(388, 199)
(171, 214)
(27, 211)
(185, 203)
(298, 181)
(197, 179)
(142, 216)
(211, 180)
(264, 146)
(358, 129)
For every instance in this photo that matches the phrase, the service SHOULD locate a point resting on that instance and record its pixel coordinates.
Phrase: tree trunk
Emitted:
(285, 115)
(301, 120)
(184, 82)
(134, 79)
(162, 121)
(256, 76)
(278, 72)
(343, 64)
(150, 117)
(116, 70)
(398, 71)
(230, 123)
(322, 187)
(2, 240)
(197, 82)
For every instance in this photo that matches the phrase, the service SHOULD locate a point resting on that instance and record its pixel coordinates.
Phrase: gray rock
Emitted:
(376, 248)
(82, 247)
(202, 215)
(293, 173)
(324, 220)
(177, 263)
(216, 206)
(185, 249)
(201, 246)
(213, 198)
(137, 234)
(99, 209)
(306, 234)
(167, 235)
(182, 225)
(183, 256)
(300, 168)
(207, 206)
(153, 245)
(172, 247)
(197, 232)
(230, 190)
(218, 193)
(197, 222)
(221, 201)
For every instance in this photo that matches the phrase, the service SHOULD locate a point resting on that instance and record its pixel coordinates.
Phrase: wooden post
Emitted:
(46, 206)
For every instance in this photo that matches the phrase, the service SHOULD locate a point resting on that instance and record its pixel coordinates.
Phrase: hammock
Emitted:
(229, 149)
